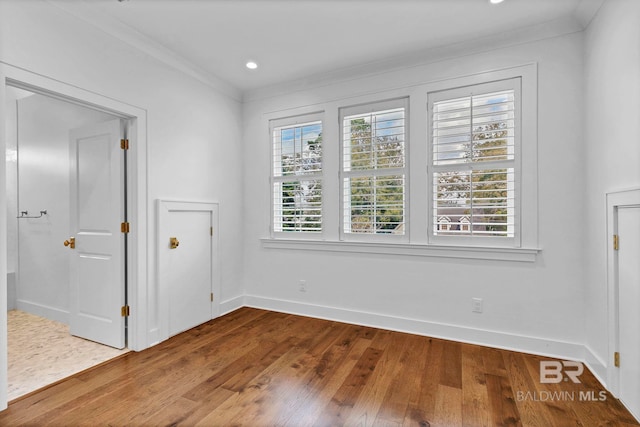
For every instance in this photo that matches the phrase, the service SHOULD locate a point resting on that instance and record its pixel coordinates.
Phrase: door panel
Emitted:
(189, 271)
(629, 307)
(186, 272)
(97, 261)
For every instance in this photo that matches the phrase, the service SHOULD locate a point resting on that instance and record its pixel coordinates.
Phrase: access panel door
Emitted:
(187, 253)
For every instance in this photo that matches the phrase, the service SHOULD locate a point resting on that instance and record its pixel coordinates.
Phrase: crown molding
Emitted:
(92, 15)
(587, 10)
(547, 30)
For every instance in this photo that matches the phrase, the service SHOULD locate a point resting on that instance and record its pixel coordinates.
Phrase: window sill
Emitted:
(403, 249)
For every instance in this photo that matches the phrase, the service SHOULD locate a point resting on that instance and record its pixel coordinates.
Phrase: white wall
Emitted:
(43, 275)
(536, 306)
(612, 126)
(193, 132)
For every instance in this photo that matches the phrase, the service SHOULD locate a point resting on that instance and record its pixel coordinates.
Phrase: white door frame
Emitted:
(615, 200)
(136, 199)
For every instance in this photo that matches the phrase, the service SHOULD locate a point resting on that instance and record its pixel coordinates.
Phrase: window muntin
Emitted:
(474, 166)
(374, 169)
(297, 177)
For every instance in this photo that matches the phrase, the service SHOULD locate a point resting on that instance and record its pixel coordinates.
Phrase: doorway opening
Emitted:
(138, 337)
(41, 297)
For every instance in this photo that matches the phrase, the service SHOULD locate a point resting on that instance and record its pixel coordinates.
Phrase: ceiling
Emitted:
(296, 39)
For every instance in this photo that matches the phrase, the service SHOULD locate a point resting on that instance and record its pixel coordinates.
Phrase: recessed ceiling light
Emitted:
(495, 1)
(252, 65)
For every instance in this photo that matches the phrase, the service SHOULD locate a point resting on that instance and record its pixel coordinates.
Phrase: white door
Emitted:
(629, 307)
(186, 264)
(97, 211)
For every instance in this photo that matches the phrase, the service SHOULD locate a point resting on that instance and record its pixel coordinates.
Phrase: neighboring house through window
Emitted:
(474, 168)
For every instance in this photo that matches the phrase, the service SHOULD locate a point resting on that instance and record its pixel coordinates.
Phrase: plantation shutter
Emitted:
(473, 141)
(297, 176)
(374, 168)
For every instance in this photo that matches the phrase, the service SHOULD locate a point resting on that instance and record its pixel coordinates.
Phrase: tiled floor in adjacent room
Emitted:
(41, 352)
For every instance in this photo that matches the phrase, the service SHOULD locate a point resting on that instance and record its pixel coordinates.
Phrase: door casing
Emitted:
(137, 293)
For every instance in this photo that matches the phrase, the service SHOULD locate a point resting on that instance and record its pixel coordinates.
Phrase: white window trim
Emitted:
(296, 120)
(405, 249)
(365, 108)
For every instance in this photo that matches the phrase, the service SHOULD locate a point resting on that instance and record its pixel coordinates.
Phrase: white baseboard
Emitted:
(45, 311)
(500, 340)
(153, 337)
(596, 365)
(231, 305)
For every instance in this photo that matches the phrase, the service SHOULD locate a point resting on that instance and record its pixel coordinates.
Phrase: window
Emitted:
(474, 145)
(456, 178)
(374, 168)
(297, 175)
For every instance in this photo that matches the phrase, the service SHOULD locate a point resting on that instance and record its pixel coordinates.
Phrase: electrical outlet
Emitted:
(303, 286)
(476, 305)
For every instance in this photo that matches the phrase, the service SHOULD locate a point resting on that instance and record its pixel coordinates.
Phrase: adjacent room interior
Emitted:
(464, 172)
(41, 348)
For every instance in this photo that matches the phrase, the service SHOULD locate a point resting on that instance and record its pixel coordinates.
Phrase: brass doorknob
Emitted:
(173, 242)
(71, 242)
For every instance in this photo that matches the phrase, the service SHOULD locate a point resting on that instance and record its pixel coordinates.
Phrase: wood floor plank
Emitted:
(25, 410)
(448, 408)
(556, 399)
(475, 398)
(247, 404)
(175, 413)
(531, 412)
(406, 381)
(503, 410)
(344, 358)
(451, 373)
(423, 407)
(317, 362)
(494, 362)
(203, 408)
(327, 356)
(346, 396)
(368, 405)
(259, 368)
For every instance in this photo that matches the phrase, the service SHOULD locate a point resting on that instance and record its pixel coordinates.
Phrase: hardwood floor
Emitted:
(259, 368)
